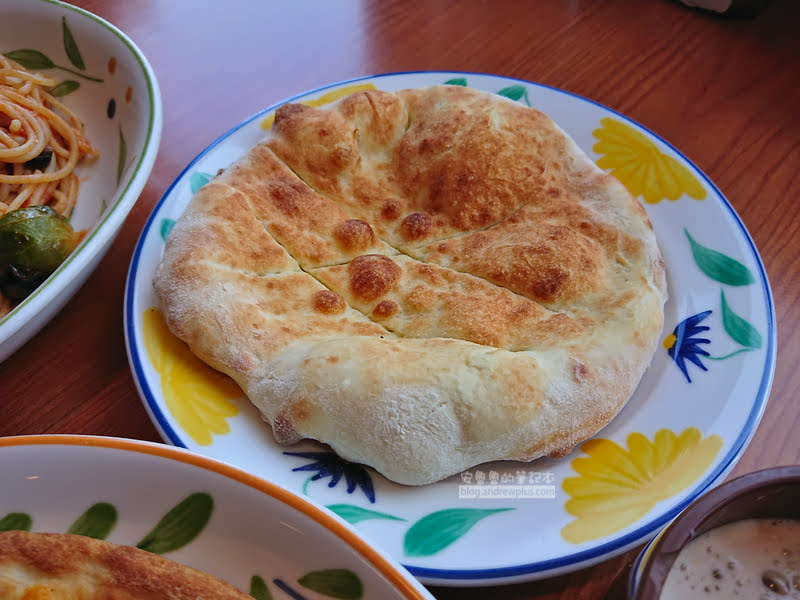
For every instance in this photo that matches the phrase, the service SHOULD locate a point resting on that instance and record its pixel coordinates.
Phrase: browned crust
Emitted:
(445, 279)
(66, 566)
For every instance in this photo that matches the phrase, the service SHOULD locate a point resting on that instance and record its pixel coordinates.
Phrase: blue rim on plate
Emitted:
(524, 570)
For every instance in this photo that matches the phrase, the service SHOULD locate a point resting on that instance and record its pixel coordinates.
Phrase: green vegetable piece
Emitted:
(462, 81)
(34, 241)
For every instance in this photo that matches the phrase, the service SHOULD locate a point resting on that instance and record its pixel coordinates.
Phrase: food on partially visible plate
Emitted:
(425, 280)
(41, 143)
(58, 566)
(34, 241)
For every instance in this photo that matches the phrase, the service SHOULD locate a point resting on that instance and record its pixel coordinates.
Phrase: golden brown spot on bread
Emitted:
(354, 234)
(369, 329)
(372, 275)
(328, 302)
(416, 226)
(421, 298)
(284, 430)
(300, 411)
(385, 309)
(581, 371)
(553, 192)
(549, 284)
(390, 210)
(287, 111)
(287, 195)
(37, 592)
(545, 263)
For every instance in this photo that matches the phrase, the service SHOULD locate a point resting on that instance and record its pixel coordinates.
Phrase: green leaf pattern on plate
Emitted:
(198, 180)
(71, 47)
(740, 330)
(355, 514)
(97, 522)
(180, 525)
(436, 531)
(35, 60)
(65, 87)
(30, 59)
(166, 227)
(259, 589)
(718, 266)
(16, 521)
(728, 271)
(334, 583)
(516, 93)
(123, 153)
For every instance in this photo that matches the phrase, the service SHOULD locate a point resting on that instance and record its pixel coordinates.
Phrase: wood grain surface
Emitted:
(725, 92)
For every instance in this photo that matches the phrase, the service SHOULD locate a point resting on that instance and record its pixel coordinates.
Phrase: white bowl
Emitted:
(244, 530)
(119, 101)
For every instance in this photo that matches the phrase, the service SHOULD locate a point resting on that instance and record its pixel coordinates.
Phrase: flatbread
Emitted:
(58, 566)
(425, 280)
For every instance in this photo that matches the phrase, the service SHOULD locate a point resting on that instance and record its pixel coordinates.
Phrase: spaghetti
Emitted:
(41, 142)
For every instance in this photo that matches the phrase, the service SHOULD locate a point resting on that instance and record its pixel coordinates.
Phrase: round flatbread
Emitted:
(425, 280)
(60, 566)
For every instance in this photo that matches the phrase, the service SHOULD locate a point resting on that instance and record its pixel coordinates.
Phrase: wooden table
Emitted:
(726, 92)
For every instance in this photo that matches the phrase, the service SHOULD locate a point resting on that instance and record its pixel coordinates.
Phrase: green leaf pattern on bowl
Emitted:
(180, 526)
(97, 522)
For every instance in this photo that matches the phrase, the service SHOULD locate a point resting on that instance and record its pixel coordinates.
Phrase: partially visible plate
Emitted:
(253, 534)
(688, 423)
(106, 80)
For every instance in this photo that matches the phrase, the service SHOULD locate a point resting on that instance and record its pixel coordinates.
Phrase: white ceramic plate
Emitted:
(682, 431)
(244, 530)
(106, 80)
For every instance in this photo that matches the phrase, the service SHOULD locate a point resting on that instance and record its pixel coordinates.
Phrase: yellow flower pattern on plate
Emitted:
(617, 486)
(635, 160)
(196, 395)
(324, 99)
